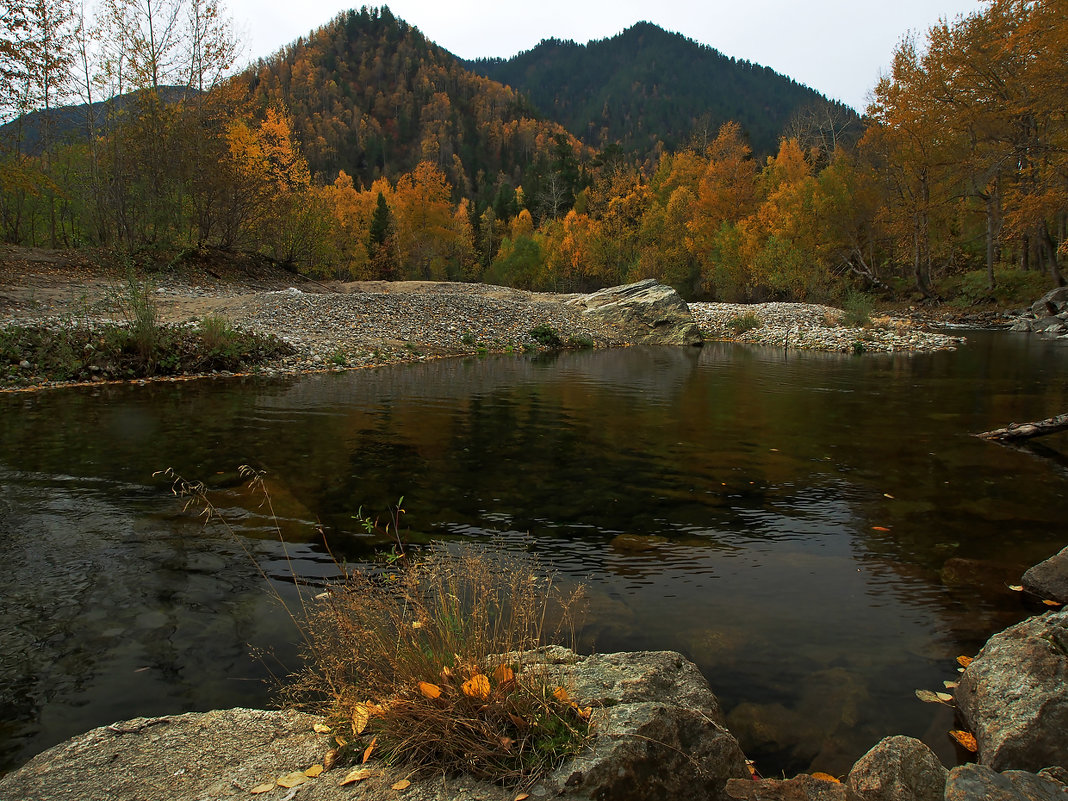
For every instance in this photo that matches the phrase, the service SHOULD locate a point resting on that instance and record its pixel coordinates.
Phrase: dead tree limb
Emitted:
(1016, 431)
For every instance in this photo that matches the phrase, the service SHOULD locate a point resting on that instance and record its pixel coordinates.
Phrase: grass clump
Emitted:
(420, 662)
(743, 323)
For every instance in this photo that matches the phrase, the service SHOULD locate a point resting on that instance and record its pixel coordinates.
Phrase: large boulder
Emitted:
(1053, 302)
(980, 783)
(645, 312)
(1049, 579)
(1012, 696)
(898, 769)
(658, 734)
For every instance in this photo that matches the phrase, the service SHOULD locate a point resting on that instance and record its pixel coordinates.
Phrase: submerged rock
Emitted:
(898, 769)
(799, 788)
(1049, 579)
(1013, 697)
(645, 312)
(658, 734)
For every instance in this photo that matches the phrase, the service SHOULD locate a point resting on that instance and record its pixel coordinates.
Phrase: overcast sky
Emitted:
(838, 47)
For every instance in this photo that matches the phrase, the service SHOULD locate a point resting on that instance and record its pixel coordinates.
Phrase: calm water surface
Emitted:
(818, 532)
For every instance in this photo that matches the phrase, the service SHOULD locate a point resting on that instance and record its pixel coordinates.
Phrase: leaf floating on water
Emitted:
(314, 772)
(966, 740)
(1016, 587)
(888, 495)
(367, 751)
(291, 780)
(964, 661)
(403, 784)
(357, 775)
(260, 789)
(879, 528)
(360, 715)
(429, 690)
(477, 686)
(928, 697)
(826, 777)
(321, 728)
(1052, 603)
(951, 685)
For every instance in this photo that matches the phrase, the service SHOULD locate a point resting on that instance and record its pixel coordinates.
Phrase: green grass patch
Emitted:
(743, 323)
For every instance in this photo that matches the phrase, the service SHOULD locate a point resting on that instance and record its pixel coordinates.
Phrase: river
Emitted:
(818, 532)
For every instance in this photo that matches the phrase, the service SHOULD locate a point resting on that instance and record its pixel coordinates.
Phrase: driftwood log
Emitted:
(1017, 431)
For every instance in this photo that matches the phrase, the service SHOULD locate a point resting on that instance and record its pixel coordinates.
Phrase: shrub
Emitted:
(546, 336)
(858, 308)
(216, 333)
(743, 323)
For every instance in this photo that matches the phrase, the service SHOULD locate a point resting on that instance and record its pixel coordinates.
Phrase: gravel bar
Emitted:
(809, 326)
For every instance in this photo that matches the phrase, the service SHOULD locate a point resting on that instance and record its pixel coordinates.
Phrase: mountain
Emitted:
(370, 95)
(647, 86)
(70, 124)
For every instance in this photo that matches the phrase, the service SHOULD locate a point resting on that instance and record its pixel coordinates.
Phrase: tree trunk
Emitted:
(1051, 255)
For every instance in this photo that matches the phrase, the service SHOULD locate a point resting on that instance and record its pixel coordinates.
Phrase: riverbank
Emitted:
(339, 326)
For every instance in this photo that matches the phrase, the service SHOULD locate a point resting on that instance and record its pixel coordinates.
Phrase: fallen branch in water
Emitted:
(1040, 428)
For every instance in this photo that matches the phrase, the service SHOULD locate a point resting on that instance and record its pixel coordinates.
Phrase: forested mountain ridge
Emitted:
(370, 95)
(647, 86)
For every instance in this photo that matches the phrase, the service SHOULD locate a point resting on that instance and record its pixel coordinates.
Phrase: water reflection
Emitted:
(817, 531)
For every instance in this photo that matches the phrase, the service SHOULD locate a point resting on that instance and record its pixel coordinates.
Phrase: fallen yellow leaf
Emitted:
(944, 696)
(951, 685)
(560, 694)
(403, 784)
(966, 739)
(1052, 603)
(928, 697)
(584, 712)
(357, 775)
(503, 674)
(259, 789)
(292, 779)
(1016, 587)
(826, 777)
(367, 751)
(522, 797)
(888, 495)
(314, 771)
(360, 715)
(329, 758)
(964, 661)
(429, 690)
(321, 728)
(477, 686)
(879, 528)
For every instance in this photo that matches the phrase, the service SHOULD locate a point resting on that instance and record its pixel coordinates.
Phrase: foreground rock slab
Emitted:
(1012, 696)
(645, 312)
(659, 734)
